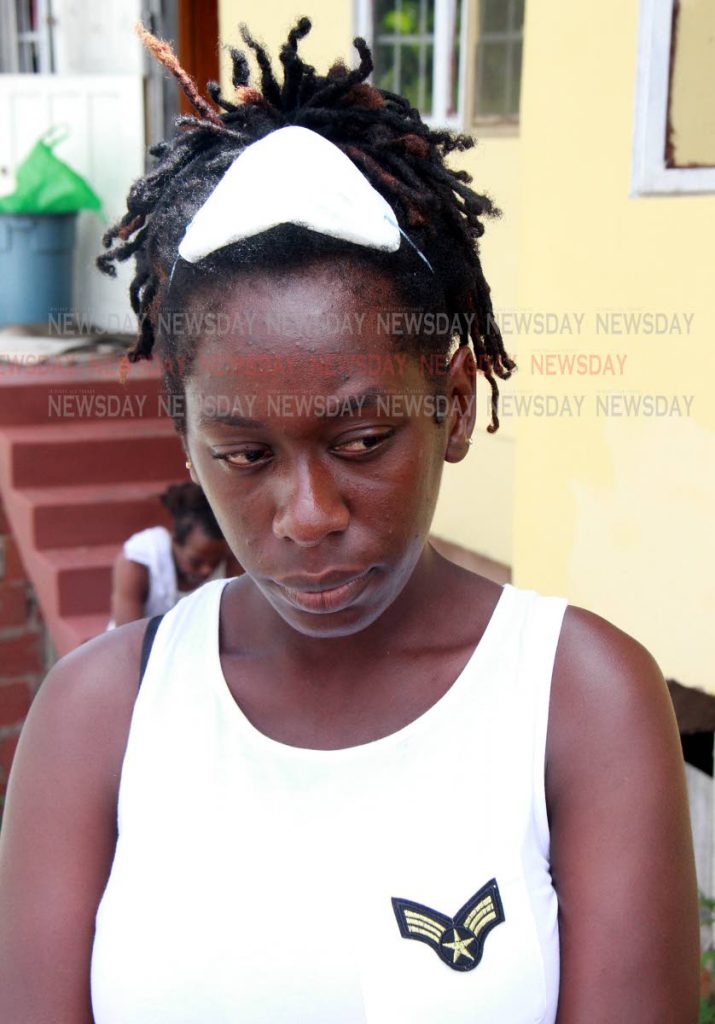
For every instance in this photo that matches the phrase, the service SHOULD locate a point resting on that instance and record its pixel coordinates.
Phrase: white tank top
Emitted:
(402, 880)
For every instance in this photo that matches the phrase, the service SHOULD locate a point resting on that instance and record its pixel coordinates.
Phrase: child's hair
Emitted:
(379, 131)
(189, 509)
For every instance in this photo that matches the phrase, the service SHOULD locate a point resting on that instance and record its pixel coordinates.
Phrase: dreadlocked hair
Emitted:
(383, 135)
(189, 509)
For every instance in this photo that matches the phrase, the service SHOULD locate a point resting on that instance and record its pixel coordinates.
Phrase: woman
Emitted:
(319, 817)
(157, 567)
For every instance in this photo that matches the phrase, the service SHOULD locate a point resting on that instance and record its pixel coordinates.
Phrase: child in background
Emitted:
(157, 567)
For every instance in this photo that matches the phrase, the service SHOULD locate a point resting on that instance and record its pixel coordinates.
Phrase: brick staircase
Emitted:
(83, 457)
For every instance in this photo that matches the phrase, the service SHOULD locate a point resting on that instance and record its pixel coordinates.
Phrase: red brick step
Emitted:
(95, 514)
(93, 452)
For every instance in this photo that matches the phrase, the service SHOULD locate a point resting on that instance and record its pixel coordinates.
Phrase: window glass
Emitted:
(383, 15)
(426, 104)
(416, 49)
(498, 59)
(385, 66)
(494, 15)
(492, 81)
(515, 97)
(690, 140)
(410, 73)
(517, 15)
(454, 66)
(404, 49)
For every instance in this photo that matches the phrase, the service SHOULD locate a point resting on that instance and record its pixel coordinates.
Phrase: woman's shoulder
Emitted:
(609, 701)
(152, 538)
(104, 663)
(86, 701)
(596, 661)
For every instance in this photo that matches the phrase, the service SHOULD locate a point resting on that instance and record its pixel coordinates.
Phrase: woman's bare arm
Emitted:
(59, 829)
(130, 587)
(622, 857)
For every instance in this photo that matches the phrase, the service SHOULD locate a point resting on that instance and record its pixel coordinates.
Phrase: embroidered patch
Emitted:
(459, 940)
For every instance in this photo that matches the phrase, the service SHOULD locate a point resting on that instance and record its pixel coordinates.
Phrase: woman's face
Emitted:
(315, 440)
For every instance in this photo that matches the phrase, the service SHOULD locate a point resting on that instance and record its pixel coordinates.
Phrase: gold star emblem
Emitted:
(469, 926)
(459, 946)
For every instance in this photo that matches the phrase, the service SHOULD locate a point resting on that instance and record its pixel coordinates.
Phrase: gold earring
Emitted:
(188, 464)
(469, 440)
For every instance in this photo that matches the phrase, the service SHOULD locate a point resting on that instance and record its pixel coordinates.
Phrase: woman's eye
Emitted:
(360, 445)
(245, 457)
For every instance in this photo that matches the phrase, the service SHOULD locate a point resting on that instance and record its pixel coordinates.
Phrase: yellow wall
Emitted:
(476, 502)
(614, 512)
(270, 20)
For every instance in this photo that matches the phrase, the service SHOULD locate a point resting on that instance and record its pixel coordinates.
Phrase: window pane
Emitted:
(426, 107)
(404, 17)
(384, 74)
(454, 62)
(383, 13)
(400, 19)
(410, 73)
(515, 98)
(492, 93)
(494, 15)
(403, 50)
(517, 15)
(409, 17)
(27, 58)
(691, 99)
(24, 16)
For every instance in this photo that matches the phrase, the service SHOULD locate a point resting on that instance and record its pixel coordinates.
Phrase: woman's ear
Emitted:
(462, 403)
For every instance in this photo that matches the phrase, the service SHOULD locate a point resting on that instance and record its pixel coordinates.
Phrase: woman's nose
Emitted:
(309, 505)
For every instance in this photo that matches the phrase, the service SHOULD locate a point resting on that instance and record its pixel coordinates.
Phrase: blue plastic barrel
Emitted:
(36, 257)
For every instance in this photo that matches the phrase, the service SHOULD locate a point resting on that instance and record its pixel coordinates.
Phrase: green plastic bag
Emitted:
(45, 184)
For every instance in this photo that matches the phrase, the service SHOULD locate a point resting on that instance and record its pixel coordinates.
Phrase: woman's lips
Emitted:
(329, 599)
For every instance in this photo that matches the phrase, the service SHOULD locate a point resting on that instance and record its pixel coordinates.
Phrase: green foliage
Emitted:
(707, 1011)
(400, 22)
(405, 19)
(707, 964)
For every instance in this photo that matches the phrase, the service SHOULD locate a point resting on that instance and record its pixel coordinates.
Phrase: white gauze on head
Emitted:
(292, 176)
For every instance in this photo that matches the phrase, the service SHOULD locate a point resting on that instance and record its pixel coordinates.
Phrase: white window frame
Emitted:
(650, 175)
(445, 12)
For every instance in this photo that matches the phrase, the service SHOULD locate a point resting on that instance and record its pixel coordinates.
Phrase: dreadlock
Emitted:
(378, 130)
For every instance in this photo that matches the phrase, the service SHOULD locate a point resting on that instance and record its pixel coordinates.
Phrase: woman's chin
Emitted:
(329, 614)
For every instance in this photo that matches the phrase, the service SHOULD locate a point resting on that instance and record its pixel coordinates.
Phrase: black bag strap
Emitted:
(149, 634)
